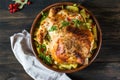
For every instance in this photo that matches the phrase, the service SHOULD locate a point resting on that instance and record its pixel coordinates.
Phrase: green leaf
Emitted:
(21, 3)
(44, 15)
(46, 58)
(42, 56)
(76, 22)
(41, 48)
(53, 28)
(64, 24)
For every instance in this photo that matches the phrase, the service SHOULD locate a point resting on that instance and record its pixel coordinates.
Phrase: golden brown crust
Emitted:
(76, 47)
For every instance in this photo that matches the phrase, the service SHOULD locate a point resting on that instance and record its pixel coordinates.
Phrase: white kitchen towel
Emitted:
(21, 46)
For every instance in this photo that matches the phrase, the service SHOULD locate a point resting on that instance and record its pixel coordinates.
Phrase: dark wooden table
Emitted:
(105, 67)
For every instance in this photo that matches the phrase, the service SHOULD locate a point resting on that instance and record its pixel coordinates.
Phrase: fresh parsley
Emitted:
(44, 15)
(42, 54)
(53, 28)
(65, 23)
(76, 22)
(42, 48)
(46, 58)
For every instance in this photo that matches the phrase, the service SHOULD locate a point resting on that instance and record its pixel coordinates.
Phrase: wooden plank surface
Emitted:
(105, 67)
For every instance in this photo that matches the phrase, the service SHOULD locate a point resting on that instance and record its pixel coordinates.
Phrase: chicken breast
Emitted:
(74, 47)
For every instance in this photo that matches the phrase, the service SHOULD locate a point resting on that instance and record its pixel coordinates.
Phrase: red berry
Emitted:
(14, 10)
(10, 6)
(14, 6)
(29, 2)
(17, 8)
(11, 11)
(17, 4)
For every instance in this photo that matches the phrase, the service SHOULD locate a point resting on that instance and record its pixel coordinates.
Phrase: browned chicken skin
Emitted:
(73, 47)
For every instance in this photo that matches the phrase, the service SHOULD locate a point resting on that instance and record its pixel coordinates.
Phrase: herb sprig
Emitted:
(77, 22)
(42, 54)
(53, 28)
(64, 24)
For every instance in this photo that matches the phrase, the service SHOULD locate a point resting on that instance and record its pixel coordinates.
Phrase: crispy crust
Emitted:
(76, 47)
